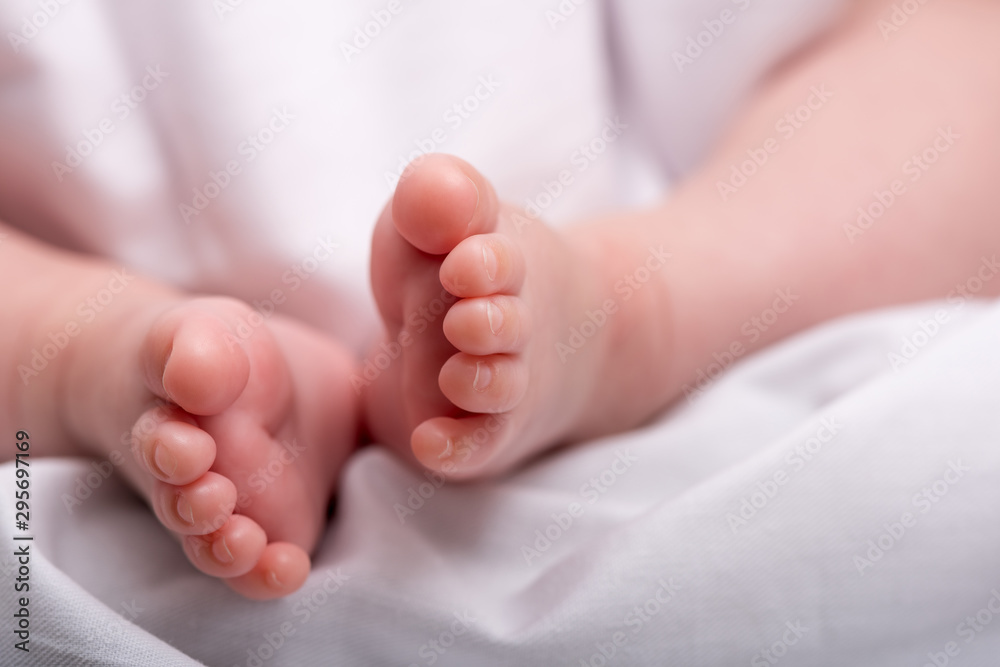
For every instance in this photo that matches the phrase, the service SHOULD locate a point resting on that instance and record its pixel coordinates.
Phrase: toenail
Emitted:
(484, 374)
(165, 461)
(198, 545)
(185, 511)
(495, 317)
(490, 260)
(449, 449)
(472, 216)
(221, 552)
(272, 578)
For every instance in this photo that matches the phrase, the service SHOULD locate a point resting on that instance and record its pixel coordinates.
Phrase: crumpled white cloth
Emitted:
(833, 500)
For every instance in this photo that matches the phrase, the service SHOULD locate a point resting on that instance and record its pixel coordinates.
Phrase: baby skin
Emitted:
(234, 429)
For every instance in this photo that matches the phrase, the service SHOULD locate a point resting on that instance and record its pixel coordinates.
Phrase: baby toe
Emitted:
(171, 447)
(231, 551)
(464, 448)
(441, 200)
(482, 265)
(193, 359)
(282, 569)
(489, 325)
(494, 383)
(199, 508)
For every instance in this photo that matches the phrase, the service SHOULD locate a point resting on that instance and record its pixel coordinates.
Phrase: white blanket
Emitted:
(814, 503)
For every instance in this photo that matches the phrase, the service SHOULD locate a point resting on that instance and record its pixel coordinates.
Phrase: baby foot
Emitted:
(476, 300)
(242, 453)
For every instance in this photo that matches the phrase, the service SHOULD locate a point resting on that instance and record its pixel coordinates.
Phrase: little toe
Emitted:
(199, 508)
(483, 264)
(231, 551)
(441, 200)
(494, 383)
(281, 570)
(171, 447)
(489, 325)
(463, 448)
(193, 359)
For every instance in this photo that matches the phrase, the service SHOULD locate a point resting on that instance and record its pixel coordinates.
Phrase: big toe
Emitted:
(193, 358)
(441, 200)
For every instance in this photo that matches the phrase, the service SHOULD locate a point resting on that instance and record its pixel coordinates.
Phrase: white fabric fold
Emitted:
(815, 503)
